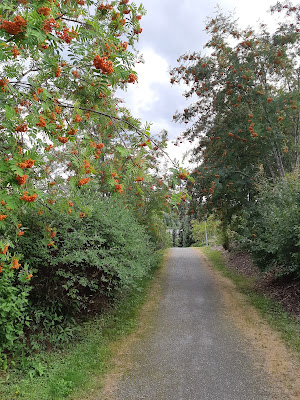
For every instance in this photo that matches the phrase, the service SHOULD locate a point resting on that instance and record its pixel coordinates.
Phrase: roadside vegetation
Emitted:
(243, 121)
(82, 197)
(280, 320)
(83, 361)
(84, 206)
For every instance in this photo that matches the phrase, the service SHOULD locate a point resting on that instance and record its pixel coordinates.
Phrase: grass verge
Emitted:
(274, 313)
(59, 375)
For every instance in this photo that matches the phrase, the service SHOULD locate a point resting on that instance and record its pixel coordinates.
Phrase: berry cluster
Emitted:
(49, 24)
(27, 198)
(102, 64)
(15, 51)
(63, 139)
(67, 36)
(44, 11)
(83, 181)
(42, 122)
(27, 163)
(131, 78)
(21, 128)
(21, 179)
(14, 28)
(105, 7)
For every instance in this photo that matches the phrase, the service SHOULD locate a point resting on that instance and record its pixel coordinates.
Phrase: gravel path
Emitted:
(192, 351)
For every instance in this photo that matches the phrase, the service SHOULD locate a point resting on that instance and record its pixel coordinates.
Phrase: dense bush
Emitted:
(92, 257)
(79, 263)
(158, 233)
(13, 309)
(270, 229)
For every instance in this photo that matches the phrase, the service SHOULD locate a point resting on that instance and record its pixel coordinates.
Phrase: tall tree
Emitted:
(244, 113)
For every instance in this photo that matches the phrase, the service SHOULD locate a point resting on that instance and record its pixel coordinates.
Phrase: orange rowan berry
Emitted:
(49, 24)
(58, 72)
(131, 78)
(77, 118)
(21, 179)
(62, 139)
(102, 64)
(15, 27)
(27, 163)
(15, 264)
(44, 11)
(4, 251)
(76, 73)
(27, 198)
(21, 128)
(42, 122)
(15, 51)
(83, 181)
(138, 31)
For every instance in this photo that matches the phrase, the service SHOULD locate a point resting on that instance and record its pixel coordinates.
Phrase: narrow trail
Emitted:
(192, 350)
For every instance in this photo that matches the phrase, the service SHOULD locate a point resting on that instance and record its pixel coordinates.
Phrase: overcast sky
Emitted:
(171, 28)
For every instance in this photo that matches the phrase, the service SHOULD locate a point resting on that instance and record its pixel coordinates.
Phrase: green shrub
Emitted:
(13, 308)
(157, 230)
(79, 264)
(270, 229)
(92, 257)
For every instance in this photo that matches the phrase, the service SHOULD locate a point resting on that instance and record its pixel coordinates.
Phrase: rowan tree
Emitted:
(65, 136)
(244, 115)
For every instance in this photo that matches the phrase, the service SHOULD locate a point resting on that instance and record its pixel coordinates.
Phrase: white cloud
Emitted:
(180, 153)
(142, 96)
(170, 28)
(250, 12)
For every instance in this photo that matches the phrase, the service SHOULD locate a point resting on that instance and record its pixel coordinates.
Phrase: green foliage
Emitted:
(212, 228)
(184, 233)
(92, 257)
(80, 365)
(270, 229)
(78, 268)
(13, 310)
(245, 116)
(65, 134)
(158, 233)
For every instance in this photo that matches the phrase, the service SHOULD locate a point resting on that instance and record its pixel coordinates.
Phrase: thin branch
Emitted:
(117, 119)
(73, 20)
